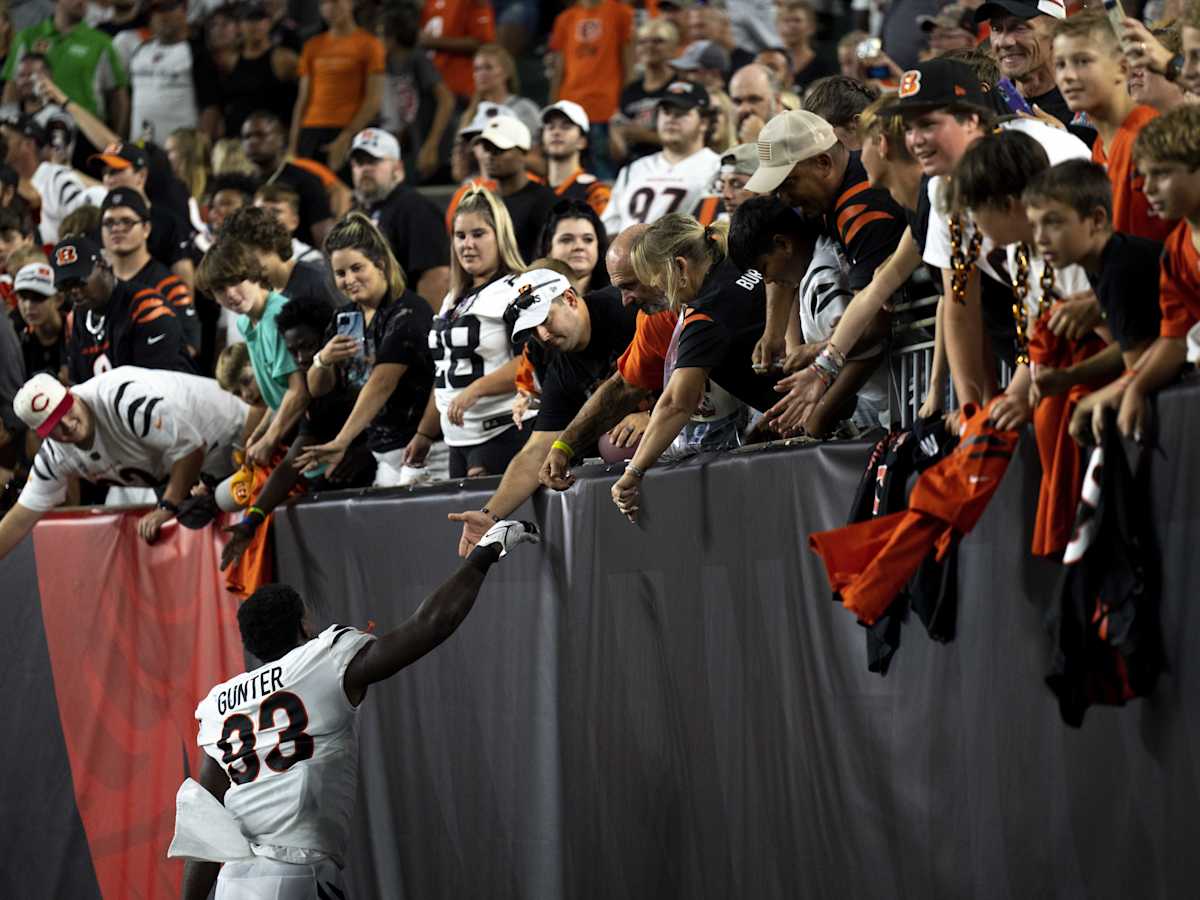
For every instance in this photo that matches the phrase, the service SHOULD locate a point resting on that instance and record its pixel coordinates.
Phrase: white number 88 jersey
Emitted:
(649, 188)
(285, 735)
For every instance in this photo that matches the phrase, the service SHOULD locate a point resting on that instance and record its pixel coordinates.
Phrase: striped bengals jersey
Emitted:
(137, 327)
(866, 223)
(586, 188)
(158, 277)
(649, 188)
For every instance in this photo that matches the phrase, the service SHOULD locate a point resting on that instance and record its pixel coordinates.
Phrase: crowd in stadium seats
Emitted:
(415, 242)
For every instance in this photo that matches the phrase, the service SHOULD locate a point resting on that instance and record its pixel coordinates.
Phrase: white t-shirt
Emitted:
(824, 295)
(285, 735)
(62, 190)
(649, 188)
(1059, 146)
(146, 421)
(468, 341)
(160, 79)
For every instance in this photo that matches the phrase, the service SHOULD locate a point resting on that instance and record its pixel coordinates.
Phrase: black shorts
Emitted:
(492, 455)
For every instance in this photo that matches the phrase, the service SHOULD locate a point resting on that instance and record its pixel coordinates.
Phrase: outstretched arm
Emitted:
(17, 523)
(438, 615)
(200, 876)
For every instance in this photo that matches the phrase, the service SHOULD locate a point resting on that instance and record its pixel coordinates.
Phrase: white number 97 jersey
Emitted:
(285, 735)
(649, 188)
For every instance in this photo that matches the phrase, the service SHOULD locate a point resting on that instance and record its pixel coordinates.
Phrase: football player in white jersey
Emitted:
(281, 768)
(126, 426)
(676, 178)
(474, 367)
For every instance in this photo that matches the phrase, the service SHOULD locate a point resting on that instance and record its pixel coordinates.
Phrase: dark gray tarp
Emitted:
(678, 710)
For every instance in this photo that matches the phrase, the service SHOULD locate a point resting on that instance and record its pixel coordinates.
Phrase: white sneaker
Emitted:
(507, 533)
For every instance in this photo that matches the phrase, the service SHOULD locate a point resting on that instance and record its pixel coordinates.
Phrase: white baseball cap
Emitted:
(572, 110)
(377, 143)
(484, 113)
(41, 402)
(36, 277)
(789, 138)
(506, 132)
(535, 290)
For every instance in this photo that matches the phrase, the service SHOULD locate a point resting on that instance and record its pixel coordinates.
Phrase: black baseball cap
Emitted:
(73, 260)
(121, 156)
(29, 127)
(685, 95)
(128, 198)
(939, 83)
(1021, 9)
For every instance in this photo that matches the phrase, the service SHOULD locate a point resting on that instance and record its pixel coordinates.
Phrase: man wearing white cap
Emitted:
(582, 338)
(501, 148)
(801, 161)
(676, 178)
(128, 426)
(408, 219)
(564, 139)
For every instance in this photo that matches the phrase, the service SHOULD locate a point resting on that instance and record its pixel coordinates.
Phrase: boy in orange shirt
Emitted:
(341, 87)
(1167, 152)
(592, 60)
(1093, 76)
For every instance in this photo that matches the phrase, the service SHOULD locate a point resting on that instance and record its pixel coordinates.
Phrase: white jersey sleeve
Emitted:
(46, 486)
(612, 215)
(62, 191)
(285, 735)
(824, 291)
(651, 187)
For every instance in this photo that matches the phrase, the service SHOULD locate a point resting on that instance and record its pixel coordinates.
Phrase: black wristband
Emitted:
(170, 507)
(1174, 68)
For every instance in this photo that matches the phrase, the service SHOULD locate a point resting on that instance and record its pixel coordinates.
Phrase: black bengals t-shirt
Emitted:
(529, 209)
(721, 327)
(568, 379)
(1127, 288)
(866, 222)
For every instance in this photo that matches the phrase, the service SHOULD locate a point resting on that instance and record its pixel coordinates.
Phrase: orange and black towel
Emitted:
(869, 563)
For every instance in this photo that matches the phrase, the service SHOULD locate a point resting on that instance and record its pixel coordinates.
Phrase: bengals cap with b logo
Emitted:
(73, 260)
(41, 402)
(937, 84)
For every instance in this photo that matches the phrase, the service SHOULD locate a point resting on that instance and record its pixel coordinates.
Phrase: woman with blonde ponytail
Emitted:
(722, 313)
(377, 345)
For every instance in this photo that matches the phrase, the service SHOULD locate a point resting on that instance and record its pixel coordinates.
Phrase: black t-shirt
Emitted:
(866, 222)
(415, 230)
(173, 289)
(1055, 104)
(112, 29)
(721, 327)
(398, 334)
(640, 107)
(311, 280)
(40, 358)
(1127, 288)
(568, 379)
(820, 67)
(530, 208)
(136, 328)
(314, 201)
(918, 219)
(170, 236)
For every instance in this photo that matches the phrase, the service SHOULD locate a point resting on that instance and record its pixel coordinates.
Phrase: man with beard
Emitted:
(1022, 42)
(564, 140)
(409, 221)
(264, 142)
(755, 100)
(501, 149)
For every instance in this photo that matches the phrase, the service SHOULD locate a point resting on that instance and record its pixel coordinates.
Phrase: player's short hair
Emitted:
(276, 192)
(233, 181)
(304, 311)
(838, 99)
(671, 236)
(758, 221)
(996, 168)
(1078, 184)
(259, 229)
(81, 222)
(1091, 26)
(230, 363)
(228, 263)
(269, 621)
(354, 231)
(878, 120)
(1170, 137)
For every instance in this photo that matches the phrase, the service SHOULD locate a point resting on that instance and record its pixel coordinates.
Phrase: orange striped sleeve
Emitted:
(708, 210)
(156, 313)
(849, 213)
(863, 221)
(850, 193)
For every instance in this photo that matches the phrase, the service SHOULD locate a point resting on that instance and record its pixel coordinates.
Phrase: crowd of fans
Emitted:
(696, 236)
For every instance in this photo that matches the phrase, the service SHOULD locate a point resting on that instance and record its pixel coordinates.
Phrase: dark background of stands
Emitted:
(677, 710)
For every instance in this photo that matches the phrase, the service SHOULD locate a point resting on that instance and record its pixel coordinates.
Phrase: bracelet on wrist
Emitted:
(491, 515)
(317, 362)
(254, 517)
(835, 355)
(635, 471)
(170, 507)
(564, 447)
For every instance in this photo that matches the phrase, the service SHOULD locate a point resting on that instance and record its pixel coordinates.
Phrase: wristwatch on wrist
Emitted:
(1174, 68)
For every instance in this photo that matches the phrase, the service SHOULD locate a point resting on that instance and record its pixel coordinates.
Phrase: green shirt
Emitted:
(268, 353)
(83, 61)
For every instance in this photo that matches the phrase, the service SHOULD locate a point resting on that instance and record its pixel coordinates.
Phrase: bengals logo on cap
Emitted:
(64, 256)
(910, 83)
